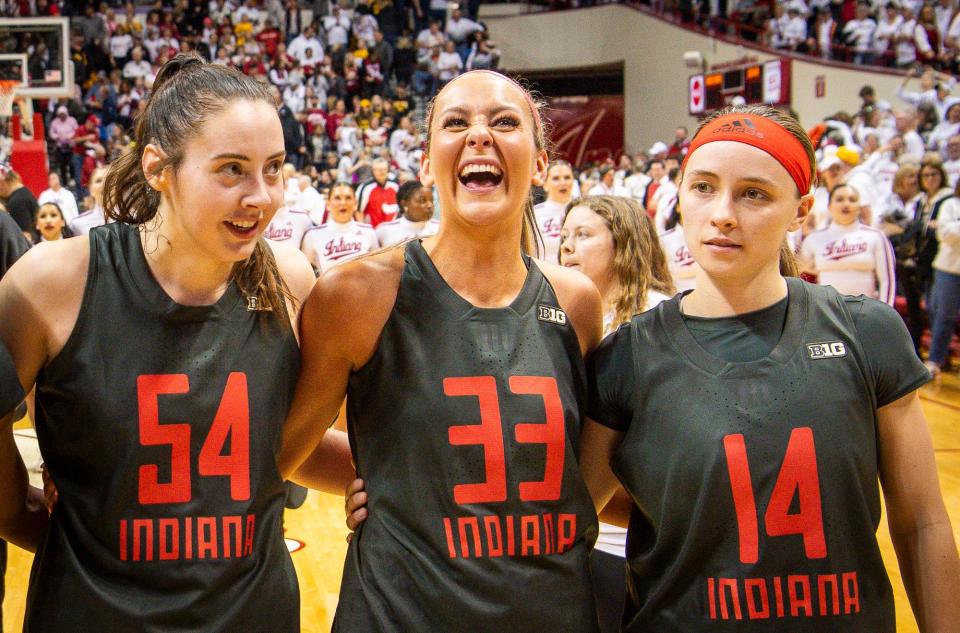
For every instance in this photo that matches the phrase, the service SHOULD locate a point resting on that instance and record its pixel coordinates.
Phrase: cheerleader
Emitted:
(549, 213)
(416, 216)
(341, 238)
(848, 255)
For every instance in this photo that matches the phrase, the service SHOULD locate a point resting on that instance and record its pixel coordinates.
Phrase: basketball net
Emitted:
(8, 90)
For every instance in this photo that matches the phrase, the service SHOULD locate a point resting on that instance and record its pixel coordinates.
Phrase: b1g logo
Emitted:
(835, 349)
(552, 315)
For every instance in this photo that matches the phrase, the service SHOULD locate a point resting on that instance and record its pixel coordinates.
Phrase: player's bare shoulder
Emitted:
(580, 299)
(355, 300)
(44, 289)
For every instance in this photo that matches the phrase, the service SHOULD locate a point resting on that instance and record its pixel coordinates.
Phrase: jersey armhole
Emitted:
(88, 288)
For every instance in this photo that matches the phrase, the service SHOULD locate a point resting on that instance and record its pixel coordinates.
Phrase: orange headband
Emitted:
(763, 134)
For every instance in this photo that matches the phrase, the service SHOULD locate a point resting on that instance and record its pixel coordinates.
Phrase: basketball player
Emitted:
(756, 496)
(164, 360)
(853, 258)
(549, 213)
(464, 379)
(415, 218)
(342, 237)
(612, 241)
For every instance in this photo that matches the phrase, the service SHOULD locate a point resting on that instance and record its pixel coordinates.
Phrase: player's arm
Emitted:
(340, 325)
(919, 524)
(32, 294)
(597, 446)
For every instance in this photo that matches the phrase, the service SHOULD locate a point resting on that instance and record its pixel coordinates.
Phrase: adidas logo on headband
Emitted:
(744, 127)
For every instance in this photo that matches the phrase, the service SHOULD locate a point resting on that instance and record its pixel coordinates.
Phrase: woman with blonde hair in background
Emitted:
(94, 216)
(612, 241)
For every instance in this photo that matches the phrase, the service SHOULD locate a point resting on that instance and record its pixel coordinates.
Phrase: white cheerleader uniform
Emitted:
(333, 243)
(855, 259)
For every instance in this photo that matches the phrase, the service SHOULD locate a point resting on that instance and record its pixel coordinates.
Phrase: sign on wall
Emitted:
(587, 128)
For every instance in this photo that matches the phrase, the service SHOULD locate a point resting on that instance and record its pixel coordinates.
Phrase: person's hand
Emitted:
(50, 494)
(355, 506)
(912, 71)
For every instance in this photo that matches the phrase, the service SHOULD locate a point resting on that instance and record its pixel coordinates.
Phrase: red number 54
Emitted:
(489, 434)
(232, 419)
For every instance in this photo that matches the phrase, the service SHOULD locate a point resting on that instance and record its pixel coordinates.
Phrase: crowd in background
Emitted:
(352, 84)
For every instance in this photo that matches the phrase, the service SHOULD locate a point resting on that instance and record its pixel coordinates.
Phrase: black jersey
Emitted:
(465, 427)
(755, 483)
(161, 426)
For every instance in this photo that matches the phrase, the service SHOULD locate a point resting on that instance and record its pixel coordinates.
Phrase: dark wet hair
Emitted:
(186, 94)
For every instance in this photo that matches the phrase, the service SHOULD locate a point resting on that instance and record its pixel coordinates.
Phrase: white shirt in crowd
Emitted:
(948, 233)
(82, 224)
(860, 33)
(333, 243)
(63, 199)
(952, 167)
(549, 217)
(402, 229)
(299, 45)
(682, 267)
(288, 226)
(855, 259)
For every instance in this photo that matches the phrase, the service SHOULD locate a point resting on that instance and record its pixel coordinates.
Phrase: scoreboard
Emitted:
(756, 82)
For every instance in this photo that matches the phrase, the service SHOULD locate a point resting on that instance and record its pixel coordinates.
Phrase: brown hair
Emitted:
(788, 259)
(638, 261)
(186, 93)
(531, 241)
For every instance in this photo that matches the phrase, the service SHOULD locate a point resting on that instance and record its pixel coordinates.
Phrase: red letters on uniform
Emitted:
(550, 433)
(488, 433)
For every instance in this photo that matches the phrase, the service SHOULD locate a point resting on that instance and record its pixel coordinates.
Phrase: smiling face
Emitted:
(738, 203)
(229, 183)
(559, 184)
(482, 151)
(50, 222)
(586, 244)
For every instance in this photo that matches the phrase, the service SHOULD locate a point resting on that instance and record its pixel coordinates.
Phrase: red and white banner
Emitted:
(586, 129)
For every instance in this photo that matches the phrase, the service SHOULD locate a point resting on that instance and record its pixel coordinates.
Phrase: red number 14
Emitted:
(798, 474)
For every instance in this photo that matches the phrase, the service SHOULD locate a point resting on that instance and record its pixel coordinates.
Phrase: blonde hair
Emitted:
(531, 242)
(638, 259)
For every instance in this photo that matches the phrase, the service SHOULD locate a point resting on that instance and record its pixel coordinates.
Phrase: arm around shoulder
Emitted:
(340, 325)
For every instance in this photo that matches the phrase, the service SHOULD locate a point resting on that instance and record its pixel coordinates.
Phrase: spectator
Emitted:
(137, 66)
(378, 198)
(20, 203)
(60, 196)
(93, 214)
(293, 139)
(945, 293)
(858, 34)
(460, 31)
(607, 185)
(306, 41)
(795, 33)
(905, 46)
(952, 163)
(414, 220)
(945, 130)
(449, 64)
(884, 38)
(62, 130)
(337, 25)
(384, 52)
(428, 40)
(905, 121)
(902, 202)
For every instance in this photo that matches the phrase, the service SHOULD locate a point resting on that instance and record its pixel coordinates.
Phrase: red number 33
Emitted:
(489, 434)
(232, 419)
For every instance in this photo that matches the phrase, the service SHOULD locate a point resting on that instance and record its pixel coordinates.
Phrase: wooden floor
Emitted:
(319, 523)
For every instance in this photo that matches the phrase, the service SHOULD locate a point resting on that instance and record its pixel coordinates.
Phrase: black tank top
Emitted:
(160, 425)
(755, 483)
(465, 426)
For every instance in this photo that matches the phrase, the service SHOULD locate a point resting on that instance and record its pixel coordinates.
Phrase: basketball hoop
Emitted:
(8, 90)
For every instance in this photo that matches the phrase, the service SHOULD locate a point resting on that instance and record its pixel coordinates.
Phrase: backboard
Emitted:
(41, 47)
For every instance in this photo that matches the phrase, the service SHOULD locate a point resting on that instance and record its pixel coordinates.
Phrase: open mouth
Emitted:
(480, 178)
(242, 228)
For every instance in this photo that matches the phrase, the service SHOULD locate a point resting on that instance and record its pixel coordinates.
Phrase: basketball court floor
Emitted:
(319, 526)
